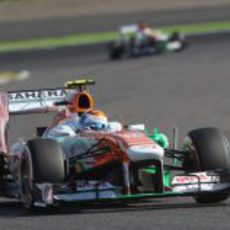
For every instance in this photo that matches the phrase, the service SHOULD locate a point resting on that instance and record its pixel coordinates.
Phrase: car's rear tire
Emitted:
(211, 152)
(115, 51)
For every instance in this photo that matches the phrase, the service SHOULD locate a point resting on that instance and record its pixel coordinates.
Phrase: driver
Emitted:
(94, 120)
(75, 119)
(145, 32)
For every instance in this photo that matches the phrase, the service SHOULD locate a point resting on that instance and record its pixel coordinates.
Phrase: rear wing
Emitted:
(44, 100)
(35, 101)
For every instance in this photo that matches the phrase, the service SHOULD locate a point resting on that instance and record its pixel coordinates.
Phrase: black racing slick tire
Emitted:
(212, 149)
(115, 51)
(47, 160)
(211, 152)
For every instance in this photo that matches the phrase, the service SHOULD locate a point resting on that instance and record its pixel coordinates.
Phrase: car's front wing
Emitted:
(94, 191)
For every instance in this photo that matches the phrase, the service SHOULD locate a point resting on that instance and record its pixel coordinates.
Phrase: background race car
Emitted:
(131, 43)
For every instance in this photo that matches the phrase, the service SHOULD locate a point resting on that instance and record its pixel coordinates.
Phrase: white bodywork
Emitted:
(175, 45)
(145, 152)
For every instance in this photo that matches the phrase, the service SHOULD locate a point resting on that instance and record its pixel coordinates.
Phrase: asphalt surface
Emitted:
(188, 90)
(81, 51)
(60, 26)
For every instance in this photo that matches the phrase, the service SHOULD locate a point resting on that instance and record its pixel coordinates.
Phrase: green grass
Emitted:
(89, 38)
(200, 28)
(51, 42)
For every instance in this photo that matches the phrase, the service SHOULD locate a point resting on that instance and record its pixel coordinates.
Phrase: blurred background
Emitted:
(40, 9)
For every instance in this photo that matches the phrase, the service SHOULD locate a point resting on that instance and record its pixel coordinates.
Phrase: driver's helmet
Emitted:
(94, 120)
(142, 25)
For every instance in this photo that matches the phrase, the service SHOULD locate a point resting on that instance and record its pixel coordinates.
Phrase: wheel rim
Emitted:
(26, 181)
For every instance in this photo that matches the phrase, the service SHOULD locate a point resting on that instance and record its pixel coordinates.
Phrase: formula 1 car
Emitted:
(131, 43)
(126, 166)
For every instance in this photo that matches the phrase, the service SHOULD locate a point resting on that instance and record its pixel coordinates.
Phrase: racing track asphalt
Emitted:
(188, 89)
(61, 26)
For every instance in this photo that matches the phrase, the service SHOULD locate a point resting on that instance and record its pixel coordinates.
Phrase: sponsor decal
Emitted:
(37, 94)
(195, 178)
(198, 182)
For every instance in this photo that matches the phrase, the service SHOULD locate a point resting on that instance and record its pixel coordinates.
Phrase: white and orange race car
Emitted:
(126, 165)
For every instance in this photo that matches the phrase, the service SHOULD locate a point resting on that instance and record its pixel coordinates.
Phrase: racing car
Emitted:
(131, 44)
(126, 166)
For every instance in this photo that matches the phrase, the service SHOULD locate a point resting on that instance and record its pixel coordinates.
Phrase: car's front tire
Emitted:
(47, 160)
(210, 152)
(44, 163)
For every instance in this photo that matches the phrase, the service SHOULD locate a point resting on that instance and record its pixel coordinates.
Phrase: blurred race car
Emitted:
(131, 42)
(129, 165)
